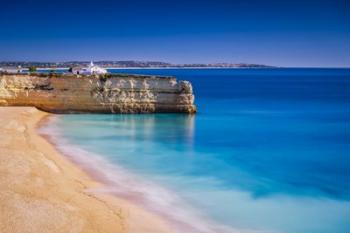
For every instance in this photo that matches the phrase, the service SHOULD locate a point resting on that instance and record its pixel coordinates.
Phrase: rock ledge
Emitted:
(97, 94)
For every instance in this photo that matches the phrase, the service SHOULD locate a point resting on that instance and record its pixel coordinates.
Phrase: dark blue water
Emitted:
(268, 150)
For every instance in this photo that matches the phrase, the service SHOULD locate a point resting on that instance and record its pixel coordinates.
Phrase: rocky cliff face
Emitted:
(116, 94)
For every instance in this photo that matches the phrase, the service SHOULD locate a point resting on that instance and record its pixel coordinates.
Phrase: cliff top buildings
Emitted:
(11, 69)
(91, 69)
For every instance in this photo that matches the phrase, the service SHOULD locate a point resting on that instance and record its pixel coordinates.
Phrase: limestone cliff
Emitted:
(114, 94)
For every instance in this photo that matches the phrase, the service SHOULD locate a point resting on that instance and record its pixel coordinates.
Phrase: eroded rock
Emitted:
(115, 94)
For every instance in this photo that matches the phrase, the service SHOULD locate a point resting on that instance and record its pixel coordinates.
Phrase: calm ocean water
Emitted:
(269, 150)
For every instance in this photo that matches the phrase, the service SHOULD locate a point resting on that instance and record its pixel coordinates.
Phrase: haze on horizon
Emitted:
(280, 33)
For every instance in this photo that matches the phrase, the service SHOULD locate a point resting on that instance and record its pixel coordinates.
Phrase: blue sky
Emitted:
(282, 33)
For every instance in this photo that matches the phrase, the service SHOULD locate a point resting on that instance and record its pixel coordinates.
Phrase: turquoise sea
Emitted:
(268, 151)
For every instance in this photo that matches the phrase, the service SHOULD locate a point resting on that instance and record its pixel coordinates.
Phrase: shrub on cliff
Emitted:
(104, 77)
(32, 69)
(55, 75)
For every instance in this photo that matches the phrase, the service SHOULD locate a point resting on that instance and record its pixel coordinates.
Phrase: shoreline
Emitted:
(120, 183)
(45, 192)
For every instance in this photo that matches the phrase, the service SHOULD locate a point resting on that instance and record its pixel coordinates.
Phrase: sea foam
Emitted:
(118, 181)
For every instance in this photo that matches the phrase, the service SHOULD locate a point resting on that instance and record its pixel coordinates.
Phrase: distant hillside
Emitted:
(131, 63)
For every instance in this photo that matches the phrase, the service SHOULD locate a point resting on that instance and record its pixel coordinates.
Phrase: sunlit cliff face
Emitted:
(124, 94)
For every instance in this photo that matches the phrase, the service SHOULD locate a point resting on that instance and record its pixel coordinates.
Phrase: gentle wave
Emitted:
(122, 183)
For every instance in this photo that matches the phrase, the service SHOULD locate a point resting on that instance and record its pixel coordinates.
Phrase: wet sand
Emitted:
(42, 191)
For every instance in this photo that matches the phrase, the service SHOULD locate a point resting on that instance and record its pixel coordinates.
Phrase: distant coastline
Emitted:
(128, 65)
(160, 68)
(25, 65)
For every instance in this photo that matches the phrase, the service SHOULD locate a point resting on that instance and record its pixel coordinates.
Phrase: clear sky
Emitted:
(273, 32)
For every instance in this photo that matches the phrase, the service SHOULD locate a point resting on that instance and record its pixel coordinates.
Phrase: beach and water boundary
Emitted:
(121, 183)
(66, 189)
(44, 192)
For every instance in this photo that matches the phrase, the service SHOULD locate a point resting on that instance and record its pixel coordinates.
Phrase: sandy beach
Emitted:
(41, 191)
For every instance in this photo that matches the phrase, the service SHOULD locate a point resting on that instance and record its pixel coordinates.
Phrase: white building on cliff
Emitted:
(91, 69)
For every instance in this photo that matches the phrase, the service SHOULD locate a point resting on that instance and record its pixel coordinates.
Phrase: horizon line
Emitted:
(181, 64)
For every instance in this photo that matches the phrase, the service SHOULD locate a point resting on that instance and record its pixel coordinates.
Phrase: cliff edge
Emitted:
(97, 94)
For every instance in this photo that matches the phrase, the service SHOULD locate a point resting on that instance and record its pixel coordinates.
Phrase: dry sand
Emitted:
(41, 191)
